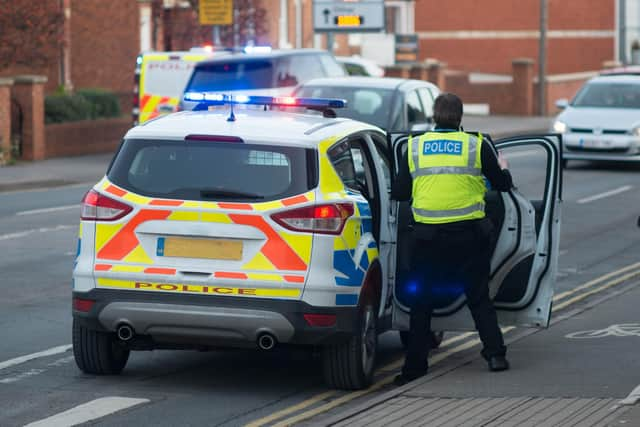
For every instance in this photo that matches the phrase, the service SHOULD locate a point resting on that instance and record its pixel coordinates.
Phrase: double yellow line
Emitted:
(591, 287)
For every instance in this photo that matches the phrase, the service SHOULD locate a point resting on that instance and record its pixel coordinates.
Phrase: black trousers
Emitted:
(446, 261)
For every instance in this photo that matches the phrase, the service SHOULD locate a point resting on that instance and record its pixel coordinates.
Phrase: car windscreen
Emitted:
(608, 95)
(232, 75)
(213, 171)
(369, 105)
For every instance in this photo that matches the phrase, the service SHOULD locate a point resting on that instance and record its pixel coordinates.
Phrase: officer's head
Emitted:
(447, 111)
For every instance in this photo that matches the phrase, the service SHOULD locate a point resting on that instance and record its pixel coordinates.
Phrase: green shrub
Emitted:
(103, 103)
(84, 104)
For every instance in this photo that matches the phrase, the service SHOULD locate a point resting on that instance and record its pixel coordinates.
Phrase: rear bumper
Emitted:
(167, 320)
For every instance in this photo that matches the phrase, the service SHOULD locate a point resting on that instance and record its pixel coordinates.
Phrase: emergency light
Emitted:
(206, 99)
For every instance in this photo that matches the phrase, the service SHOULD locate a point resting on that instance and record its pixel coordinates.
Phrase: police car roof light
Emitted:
(206, 99)
(257, 49)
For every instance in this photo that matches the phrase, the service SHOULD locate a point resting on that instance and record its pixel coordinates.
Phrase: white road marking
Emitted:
(605, 194)
(88, 411)
(621, 330)
(47, 210)
(25, 233)
(21, 376)
(50, 352)
(633, 397)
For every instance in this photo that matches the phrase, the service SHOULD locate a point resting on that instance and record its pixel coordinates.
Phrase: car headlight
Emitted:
(635, 131)
(559, 127)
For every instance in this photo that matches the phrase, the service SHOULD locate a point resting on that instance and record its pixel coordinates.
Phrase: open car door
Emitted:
(524, 254)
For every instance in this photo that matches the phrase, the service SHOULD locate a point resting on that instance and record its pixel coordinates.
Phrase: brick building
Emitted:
(484, 36)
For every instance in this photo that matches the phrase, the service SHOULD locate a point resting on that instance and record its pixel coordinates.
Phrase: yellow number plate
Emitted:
(200, 248)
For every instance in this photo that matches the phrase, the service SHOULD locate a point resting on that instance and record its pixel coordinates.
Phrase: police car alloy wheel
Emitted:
(98, 352)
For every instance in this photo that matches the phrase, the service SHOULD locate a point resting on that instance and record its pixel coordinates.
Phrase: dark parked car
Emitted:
(389, 103)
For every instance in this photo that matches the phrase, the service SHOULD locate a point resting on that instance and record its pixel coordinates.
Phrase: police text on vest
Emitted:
(442, 146)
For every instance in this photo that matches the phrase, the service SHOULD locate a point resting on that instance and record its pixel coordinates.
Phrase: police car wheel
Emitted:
(436, 339)
(350, 365)
(98, 352)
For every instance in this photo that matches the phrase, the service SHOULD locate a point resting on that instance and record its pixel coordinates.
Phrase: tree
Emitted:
(31, 33)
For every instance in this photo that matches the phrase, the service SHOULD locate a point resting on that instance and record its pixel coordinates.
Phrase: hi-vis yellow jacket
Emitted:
(447, 177)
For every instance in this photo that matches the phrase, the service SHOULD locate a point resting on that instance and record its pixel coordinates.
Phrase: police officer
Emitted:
(443, 176)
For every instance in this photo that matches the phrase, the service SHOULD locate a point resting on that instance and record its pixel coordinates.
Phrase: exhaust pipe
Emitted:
(266, 341)
(124, 332)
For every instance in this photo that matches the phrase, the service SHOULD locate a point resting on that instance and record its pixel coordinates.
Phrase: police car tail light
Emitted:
(325, 218)
(98, 207)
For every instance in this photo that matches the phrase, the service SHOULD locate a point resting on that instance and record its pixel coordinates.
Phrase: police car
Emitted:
(262, 227)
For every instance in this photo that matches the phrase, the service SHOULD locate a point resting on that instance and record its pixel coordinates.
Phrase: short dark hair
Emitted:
(447, 111)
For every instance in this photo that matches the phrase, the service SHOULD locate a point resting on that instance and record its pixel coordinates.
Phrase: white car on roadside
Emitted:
(602, 122)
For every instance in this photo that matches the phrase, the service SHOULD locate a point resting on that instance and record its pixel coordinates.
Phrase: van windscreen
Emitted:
(232, 75)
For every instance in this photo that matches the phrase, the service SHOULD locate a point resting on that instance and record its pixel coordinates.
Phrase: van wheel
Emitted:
(435, 337)
(350, 365)
(97, 352)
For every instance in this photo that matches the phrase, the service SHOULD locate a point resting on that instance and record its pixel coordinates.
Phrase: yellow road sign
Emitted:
(216, 12)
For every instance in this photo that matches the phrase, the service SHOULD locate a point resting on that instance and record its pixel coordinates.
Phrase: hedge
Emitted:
(83, 104)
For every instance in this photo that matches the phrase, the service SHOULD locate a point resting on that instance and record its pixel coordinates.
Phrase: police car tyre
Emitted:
(350, 365)
(98, 352)
(436, 339)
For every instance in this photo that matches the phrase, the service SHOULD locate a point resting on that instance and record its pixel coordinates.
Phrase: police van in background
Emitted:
(258, 70)
(160, 78)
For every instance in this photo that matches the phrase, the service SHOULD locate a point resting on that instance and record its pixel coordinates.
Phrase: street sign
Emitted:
(406, 48)
(215, 12)
(348, 15)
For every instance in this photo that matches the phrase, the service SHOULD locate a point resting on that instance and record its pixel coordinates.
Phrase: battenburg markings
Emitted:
(442, 146)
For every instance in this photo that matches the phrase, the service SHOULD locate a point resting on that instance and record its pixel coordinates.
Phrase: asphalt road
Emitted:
(38, 232)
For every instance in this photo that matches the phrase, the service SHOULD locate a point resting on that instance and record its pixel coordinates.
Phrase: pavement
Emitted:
(89, 169)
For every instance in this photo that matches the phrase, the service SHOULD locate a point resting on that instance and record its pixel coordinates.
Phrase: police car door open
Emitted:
(525, 251)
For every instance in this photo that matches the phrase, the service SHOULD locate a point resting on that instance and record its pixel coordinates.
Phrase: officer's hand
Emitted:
(502, 161)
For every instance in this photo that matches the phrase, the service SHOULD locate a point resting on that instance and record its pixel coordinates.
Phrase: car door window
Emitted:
(352, 165)
(427, 101)
(415, 112)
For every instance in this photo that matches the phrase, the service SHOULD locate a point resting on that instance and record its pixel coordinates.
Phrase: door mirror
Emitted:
(561, 104)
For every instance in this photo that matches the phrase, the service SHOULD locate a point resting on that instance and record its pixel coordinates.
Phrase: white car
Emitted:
(358, 66)
(602, 123)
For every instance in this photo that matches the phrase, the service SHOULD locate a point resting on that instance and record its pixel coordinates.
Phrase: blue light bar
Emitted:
(207, 98)
(257, 49)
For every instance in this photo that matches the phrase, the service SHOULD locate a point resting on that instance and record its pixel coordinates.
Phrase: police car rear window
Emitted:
(232, 75)
(213, 171)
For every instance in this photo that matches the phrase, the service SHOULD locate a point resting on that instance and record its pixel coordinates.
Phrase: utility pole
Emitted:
(622, 31)
(542, 60)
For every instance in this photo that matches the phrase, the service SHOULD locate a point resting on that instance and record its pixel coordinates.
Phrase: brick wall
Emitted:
(85, 137)
(105, 42)
(485, 35)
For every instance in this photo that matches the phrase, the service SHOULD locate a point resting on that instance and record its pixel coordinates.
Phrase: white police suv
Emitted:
(262, 227)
